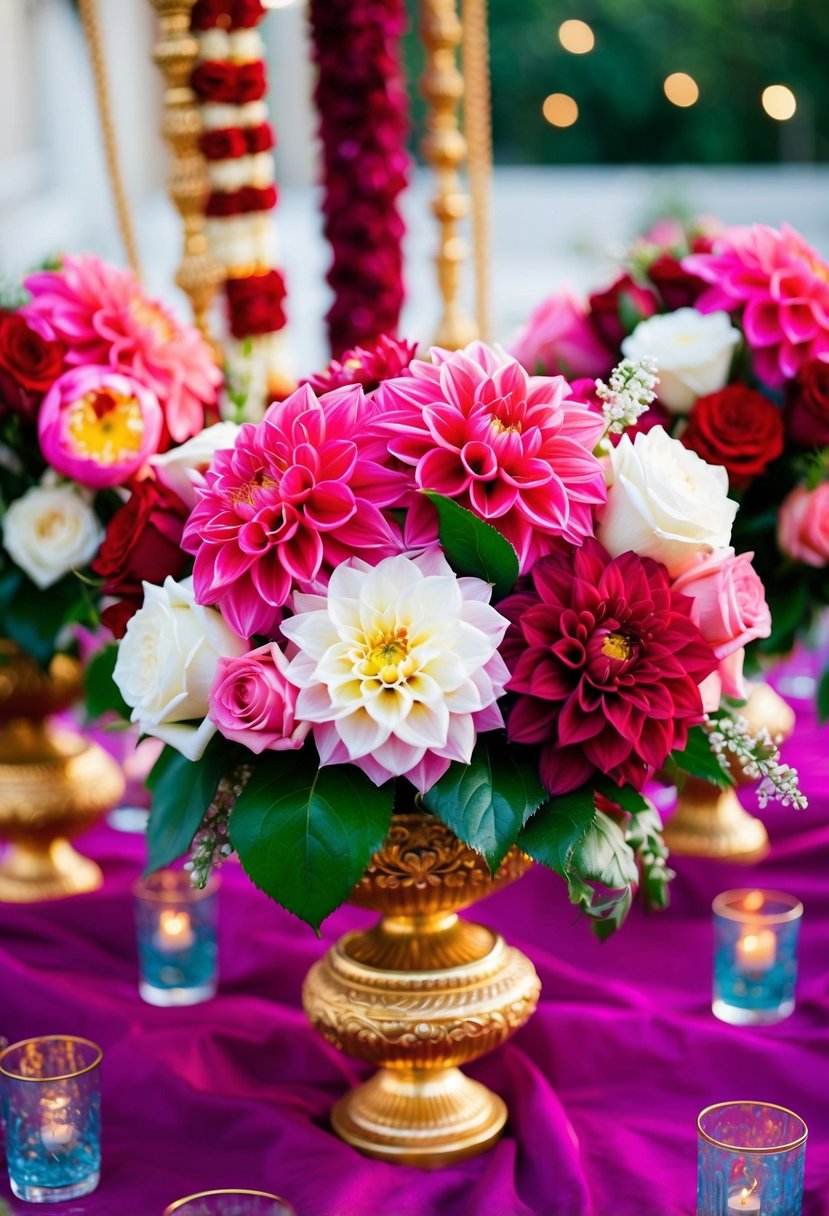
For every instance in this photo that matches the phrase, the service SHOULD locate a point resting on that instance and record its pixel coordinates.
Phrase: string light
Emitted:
(576, 37)
(779, 102)
(681, 89)
(560, 110)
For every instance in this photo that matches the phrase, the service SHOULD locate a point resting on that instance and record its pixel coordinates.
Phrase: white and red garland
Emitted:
(230, 82)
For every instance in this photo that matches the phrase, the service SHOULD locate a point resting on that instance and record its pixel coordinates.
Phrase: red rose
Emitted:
(259, 139)
(143, 542)
(225, 143)
(223, 203)
(807, 407)
(617, 311)
(677, 287)
(32, 361)
(250, 82)
(215, 80)
(256, 198)
(255, 304)
(246, 13)
(209, 13)
(737, 428)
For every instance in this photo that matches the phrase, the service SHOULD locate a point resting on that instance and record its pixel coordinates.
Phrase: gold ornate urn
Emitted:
(53, 783)
(421, 994)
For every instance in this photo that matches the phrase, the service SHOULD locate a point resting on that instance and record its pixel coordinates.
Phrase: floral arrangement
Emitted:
(362, 106)
(230, 81)
(738, 321)
(450, 591)
(97, 381)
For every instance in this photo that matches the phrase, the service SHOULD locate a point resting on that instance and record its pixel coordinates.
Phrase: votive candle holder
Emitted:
(51, 1101)
(750, 1161)
(177, 946)
(755, 955)
(230, 1203)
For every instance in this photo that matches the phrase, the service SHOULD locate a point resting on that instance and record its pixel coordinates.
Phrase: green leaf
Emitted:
(305, 834)
(823, 698)
(603, 855)
(33, 618)
(624, 796)
(552, 834)
(474, 547)
(697, 760)
(102, 693)
(182, 791)
(486, 802)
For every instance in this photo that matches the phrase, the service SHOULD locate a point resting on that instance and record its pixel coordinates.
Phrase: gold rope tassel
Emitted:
(478, 131)
(92, 28)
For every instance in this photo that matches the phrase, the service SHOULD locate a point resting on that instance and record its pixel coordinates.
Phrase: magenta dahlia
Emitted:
(103, 316)
(367, 365)
(606, 664)
(301, 492)
(781, 285)
(514, 449)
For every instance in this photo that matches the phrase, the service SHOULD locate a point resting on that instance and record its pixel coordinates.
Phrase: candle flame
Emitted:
(754, 901)
(174, 924)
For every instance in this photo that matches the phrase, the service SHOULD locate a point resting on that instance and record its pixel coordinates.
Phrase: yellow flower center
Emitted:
(244, 493)
(386, 658)
(617, 646)
(151, 316)
(106, 426)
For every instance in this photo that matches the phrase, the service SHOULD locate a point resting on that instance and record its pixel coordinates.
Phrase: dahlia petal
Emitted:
(442, 471)
(563, 769)
(329, 505)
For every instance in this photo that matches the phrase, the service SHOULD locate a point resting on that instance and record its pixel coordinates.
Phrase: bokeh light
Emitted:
(560, 110)
(576, 37)
(779, 102)
(681, 89)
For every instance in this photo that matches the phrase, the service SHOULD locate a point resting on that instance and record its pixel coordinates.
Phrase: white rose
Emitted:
(665, 502)
(166, 664)
(181, 469)
(692, 350)
(51, 530)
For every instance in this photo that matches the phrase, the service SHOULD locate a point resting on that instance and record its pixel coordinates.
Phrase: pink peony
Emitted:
(98, 426)
(301, 492)
(367, 365)
(514, 449)
(781, 286)
(729, 600)
(103, 316)
(606, 664)
(803, 525)
(254, 703)
(558, 339)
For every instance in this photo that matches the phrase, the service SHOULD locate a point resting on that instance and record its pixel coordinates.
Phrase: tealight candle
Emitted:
(751, 1160)
(744, 1202)
(176, 925)
(755, 956)
(56, 1131)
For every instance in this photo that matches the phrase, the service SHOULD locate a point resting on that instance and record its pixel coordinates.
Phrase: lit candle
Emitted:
(756, 950)
(744, 1202)
(56, 1131)
(175, 933)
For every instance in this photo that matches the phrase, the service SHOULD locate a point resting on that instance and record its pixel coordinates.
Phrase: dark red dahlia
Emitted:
(606, 664)
(367, 365)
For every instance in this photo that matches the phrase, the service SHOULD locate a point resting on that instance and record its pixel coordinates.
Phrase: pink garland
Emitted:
(362, 106)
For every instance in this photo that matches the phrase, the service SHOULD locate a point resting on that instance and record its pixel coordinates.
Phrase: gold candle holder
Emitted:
(444, 148)
(198, 275)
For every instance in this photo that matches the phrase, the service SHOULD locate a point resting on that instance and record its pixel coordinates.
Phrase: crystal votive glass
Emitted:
(177, 948)
(750, 1161)
(230, 1203)
(51, 1100)
(755, 955)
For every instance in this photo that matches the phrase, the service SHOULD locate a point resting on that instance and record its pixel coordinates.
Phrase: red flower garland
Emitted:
(362, 106)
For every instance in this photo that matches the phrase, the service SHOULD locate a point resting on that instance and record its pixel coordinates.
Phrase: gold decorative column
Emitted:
(444, 148)
(198, 274)
(477, 125)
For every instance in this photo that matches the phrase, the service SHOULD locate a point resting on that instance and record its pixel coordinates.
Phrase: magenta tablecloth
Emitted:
(603, 1085)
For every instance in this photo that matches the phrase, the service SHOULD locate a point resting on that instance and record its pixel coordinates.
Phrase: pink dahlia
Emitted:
(780, 284)
(367, 365)
(301, 492)
(606, 664)
(103, 316)
(514, 449)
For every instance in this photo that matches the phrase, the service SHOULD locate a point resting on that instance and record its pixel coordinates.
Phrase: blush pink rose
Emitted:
(729, 600)
(253, 703)
(558, 339)
(803, 525)
(727, 681)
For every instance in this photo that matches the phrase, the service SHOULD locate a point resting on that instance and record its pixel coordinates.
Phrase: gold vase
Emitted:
(53, 783)
(419, 995)
(710, 822)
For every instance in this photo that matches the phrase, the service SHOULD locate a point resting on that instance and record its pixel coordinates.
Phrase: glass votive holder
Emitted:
(750, 1161)
(230, 1203)
(755, 955)
(177, 948)
(51, 1100)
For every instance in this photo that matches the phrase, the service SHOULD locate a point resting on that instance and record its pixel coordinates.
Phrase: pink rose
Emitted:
(803, 525)
(253, 703)
(727, 680)
(559, 339)
(729, 600)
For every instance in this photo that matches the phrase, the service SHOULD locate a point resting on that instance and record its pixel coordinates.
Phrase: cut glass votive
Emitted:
(230, 1203)
(751, 1160)
(755, 955)
(51, 1104)
(177, 948)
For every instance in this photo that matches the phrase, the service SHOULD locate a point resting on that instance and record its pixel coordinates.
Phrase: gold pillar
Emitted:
(477, 124)
(175, 53)
(444, 148)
